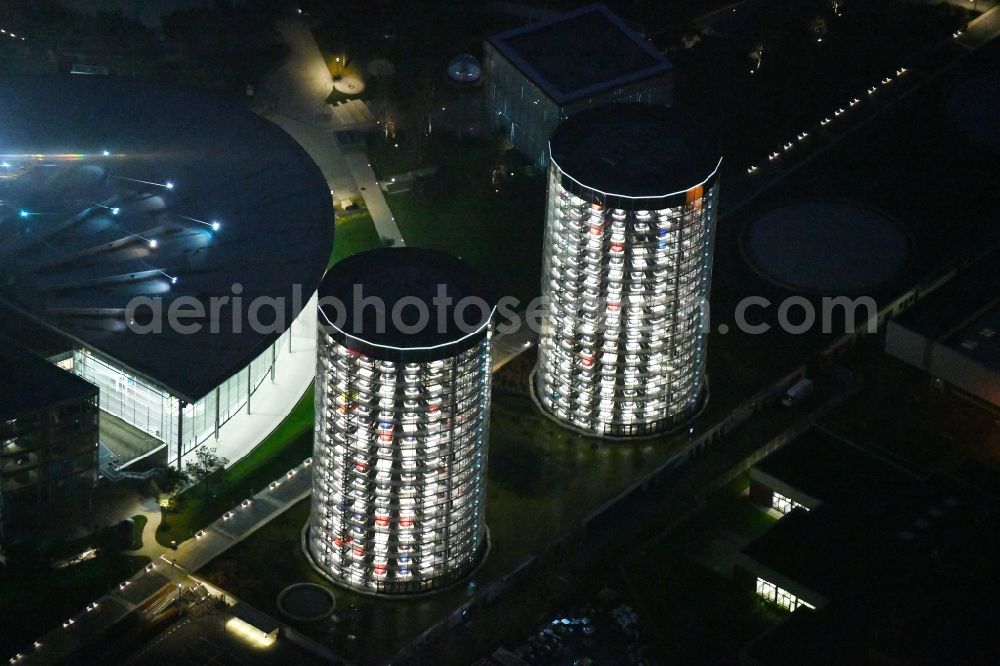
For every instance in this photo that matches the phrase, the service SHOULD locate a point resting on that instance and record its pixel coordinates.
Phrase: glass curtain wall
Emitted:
(228, 399)
(399, 468)
(623, 349)
(138, 403)
(155, 411)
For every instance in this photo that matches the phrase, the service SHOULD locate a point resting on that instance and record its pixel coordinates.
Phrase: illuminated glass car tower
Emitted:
(628, 249)
(402, 418)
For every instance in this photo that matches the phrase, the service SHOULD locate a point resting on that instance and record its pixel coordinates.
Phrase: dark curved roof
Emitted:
(74, 264)
(408, 276)
(634, 150)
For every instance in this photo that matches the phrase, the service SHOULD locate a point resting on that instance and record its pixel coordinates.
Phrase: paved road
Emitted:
(299, 89)
(741, 188)
(320, 144)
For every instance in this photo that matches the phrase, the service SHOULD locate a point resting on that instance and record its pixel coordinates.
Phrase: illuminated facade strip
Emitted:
(710, 178)
(443, 346)
(776, 595)
(784, 504)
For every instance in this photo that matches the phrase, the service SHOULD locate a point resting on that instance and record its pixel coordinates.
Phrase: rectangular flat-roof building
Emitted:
(48, 440)
(954, 334)
(818, 468)
(542, 73)
(895, 576)
(872, 557)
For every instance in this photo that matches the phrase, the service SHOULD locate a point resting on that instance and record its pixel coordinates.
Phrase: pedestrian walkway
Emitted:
(378, 208)
(981, 30)
(151, 548)
(171, 567)
(275, 398)
(352, 114)
(301, 85)
(324, 151)
(300, 89)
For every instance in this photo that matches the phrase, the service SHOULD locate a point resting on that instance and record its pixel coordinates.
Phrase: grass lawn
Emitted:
(500, 233)
(390, 157)
(498, 229)
(289, 444)
(354, 233)
(542, 478)
(281, 535)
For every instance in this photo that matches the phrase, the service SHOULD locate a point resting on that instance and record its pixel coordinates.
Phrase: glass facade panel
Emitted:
(399, 468)
(128, 397)
(784, 504)
(155, 411)
(770, 592)
(528, 116)
(622, 351)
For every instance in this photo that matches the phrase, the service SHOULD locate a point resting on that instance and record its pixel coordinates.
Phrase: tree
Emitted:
(207, 463)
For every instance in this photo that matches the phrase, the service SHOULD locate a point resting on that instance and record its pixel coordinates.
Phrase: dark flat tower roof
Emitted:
(580, 53)
(407, 277)
(84, 167)
(29, 383)
(635, 151)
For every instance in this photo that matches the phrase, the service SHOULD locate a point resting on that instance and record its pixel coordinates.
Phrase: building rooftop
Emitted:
(580, 53)
(903, 573)
(880, 539)
(964, 314)
(108, 191)
(831, 469)
(29, 383)
(635, 151)
(408, 277)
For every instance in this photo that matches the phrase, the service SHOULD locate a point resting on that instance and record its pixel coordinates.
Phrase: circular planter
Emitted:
(306, 602)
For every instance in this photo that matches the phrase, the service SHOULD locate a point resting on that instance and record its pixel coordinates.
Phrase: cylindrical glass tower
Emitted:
(402, 418)
(628, 249)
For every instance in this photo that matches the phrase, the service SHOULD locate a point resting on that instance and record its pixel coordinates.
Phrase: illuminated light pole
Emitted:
(627, 266)
(114, 210)
(167, 185)
(214, 225)
(152, 242)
